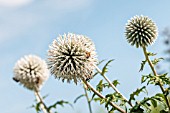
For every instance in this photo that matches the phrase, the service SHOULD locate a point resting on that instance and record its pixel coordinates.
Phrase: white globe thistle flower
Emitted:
(31, 71)
(141, 31)
(72, 57)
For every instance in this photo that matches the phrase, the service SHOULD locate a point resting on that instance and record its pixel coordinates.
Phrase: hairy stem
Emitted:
(154, 72)
(101, 96)
(110, 83)
(40, 100)
(88, 100)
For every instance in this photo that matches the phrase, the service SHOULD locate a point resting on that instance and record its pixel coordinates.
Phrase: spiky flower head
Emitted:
(141, 31)
(72, 57)
(31, 71)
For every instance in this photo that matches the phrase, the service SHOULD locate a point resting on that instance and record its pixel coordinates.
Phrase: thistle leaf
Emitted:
(82, 95)
(105, 68)
(151, 54)
(156, 60)
(136, 93)
(142, 65)
(61, 103)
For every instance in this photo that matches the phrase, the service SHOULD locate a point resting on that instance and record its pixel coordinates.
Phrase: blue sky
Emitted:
(29, 26)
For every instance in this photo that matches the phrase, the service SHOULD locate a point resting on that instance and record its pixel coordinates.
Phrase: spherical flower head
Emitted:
(141, 31)
(31, 71)
(72, 57)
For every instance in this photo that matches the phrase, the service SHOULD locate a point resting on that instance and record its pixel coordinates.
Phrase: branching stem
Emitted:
(155, 74)
(40, 100)
(88, 100)
(110, 83)
(101, 96)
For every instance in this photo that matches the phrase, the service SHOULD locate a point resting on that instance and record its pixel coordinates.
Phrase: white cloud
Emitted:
(14, 23)
(14, 3)
(66, 5)
(72, 4)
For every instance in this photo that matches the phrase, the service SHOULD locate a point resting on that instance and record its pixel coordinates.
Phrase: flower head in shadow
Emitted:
(141, 31)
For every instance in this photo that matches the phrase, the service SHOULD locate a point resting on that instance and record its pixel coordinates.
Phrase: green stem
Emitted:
(110, 83)
(88, 100)
(40, 100)
(155, 74)
(101, 96)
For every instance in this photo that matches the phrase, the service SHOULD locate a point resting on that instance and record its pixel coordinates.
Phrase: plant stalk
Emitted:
(110, 83)
(101, 96)
(40, 100)
(88, 100)
(155, 74)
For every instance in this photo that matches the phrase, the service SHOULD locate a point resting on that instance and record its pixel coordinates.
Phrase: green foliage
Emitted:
(53, 106)
(101, 62)
(145, 104)
(151, 54)
(82, 95)
(156, 60)
(139, 107)
(136, 93)
(100, 86)
(37, 107)
(105, 68)
(60, 103)
(164, 79)
(115, 82)
(142, 65)
(160, 79)
(97, 65)
(113, 97)
(150, 79)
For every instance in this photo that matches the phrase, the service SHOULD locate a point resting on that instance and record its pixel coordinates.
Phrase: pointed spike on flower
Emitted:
(31, 72)
(143, 29)
(74, 59)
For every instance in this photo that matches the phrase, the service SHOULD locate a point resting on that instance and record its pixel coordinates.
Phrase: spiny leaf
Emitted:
(154, 103)
(97, 71)
(102, 101)
(95, 74)
(116, 98)
(37, 107)
(61, 103)
(160, 95)
(143, 79)
(164, 79)
(44, 97)
(151, 54)
(105, 69)
(111, 111)
(93, 96)
(82, 95)
(99, 86)
(101, 61)
(142, 65)
(137, 108)
(156, 60)
(150, 79)
(97, 99)
(136, 93)
(115, 82)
